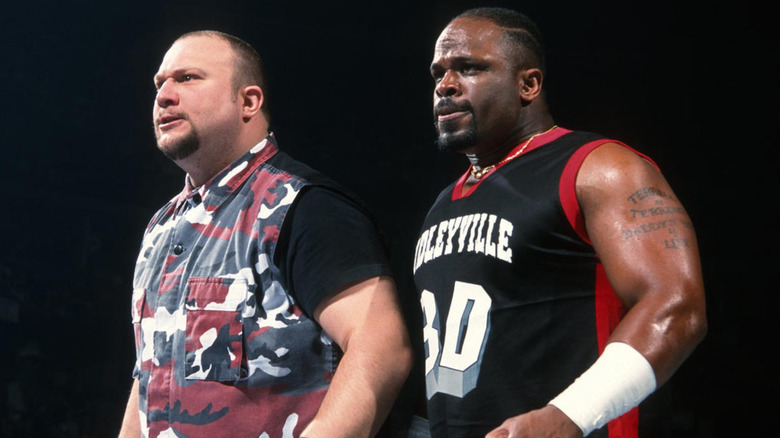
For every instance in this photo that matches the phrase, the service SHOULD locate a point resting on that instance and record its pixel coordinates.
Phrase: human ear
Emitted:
(252, 99)
(530, 84)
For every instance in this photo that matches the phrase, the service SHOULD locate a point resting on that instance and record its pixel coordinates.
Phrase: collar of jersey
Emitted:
(457, 191)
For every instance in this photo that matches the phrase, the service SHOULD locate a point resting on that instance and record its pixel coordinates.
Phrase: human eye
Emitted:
(436, 74)
(469, 68)
(186, 76)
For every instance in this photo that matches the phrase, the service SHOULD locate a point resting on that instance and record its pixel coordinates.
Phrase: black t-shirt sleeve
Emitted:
(327, 242)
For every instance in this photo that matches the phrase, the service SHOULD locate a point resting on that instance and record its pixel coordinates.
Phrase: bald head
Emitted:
(248, 66)
(202, 120)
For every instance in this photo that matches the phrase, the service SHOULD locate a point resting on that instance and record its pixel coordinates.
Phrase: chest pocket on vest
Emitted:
(214, 344)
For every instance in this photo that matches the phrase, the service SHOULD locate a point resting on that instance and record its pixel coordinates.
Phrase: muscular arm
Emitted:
(365, 321)
(131, 427)
(647, 244)
(648, 247)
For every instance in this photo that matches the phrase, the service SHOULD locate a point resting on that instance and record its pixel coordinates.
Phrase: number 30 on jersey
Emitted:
(453, 368)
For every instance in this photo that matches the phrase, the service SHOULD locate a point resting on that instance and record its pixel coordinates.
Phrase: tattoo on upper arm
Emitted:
(648, 192)
(664, 218)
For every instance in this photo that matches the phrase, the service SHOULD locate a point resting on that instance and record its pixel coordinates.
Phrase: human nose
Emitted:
(167, 95)
(448, 85)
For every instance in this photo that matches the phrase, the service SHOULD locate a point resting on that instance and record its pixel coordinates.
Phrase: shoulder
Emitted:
(321, 190)
(613, 164)
(611, 175)
(324, 212)
(292, 166)
(320, 199)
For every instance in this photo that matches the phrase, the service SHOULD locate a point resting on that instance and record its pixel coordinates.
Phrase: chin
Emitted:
(456, 142)
(177, 149)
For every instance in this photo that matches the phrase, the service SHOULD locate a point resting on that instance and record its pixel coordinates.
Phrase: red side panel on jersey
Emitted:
(609, 308)
(609, 312)
(567, 192)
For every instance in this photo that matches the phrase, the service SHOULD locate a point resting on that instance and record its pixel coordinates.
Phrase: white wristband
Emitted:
(613, 385)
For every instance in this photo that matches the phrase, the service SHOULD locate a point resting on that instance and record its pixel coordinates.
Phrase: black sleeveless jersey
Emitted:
(515, 302)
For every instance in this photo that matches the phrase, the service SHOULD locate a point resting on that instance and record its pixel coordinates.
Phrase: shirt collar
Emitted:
(219, 187)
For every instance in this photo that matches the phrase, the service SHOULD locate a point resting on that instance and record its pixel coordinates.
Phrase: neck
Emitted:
(202, 165)
(492, 156)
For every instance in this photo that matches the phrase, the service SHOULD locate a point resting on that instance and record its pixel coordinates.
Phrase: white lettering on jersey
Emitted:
(476, 233)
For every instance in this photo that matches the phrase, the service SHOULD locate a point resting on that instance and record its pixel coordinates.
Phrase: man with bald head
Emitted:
(255, 314)
(559, 275)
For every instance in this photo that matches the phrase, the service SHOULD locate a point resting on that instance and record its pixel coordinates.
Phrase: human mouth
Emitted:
(448, 110)
(169, 121)
(451, 116)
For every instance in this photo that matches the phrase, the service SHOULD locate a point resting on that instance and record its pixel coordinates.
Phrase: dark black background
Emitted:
(693, 87)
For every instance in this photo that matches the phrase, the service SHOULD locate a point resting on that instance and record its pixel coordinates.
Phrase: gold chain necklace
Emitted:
(478, 174)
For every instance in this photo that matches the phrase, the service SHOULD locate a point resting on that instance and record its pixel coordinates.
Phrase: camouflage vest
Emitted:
(222, 347)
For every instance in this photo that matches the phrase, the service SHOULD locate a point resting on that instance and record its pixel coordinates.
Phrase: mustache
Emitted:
(447, 106)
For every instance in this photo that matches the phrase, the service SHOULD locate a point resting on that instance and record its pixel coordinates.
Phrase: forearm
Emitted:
(619, 380)
(131, 425)
(643, 352)
(665, 329)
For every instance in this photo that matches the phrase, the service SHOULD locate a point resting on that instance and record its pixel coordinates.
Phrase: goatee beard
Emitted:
(451, 140)
(456, 142)
(182, 148)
